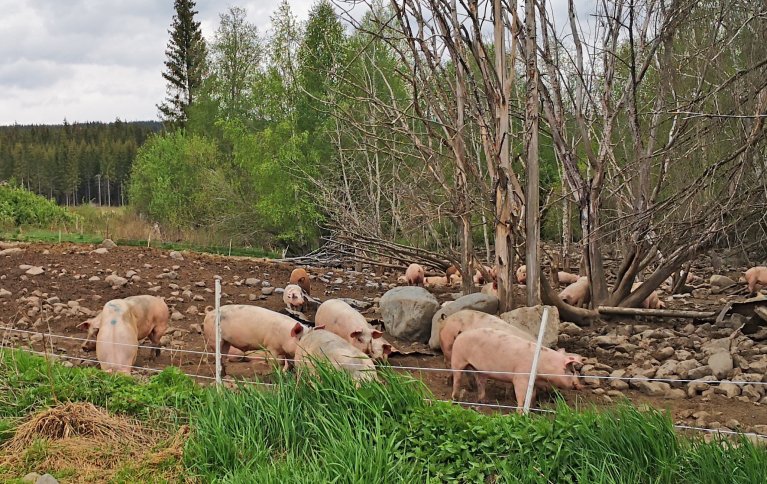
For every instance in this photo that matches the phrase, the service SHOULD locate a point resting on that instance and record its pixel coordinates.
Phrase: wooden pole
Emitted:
(661, 313)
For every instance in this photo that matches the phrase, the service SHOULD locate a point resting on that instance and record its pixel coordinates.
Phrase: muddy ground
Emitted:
(72, 287)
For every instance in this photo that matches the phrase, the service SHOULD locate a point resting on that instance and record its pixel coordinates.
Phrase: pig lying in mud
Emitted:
(564, 277)
(576, 294)
(345, 321)
(249, 328)
(502, 356)
(151, 319)
(321, 344)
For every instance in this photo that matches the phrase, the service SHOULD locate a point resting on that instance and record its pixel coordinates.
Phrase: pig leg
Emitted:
(456, 384)
(154, 337)
(224, 351)
(481, 381)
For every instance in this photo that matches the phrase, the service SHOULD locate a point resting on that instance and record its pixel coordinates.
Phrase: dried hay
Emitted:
(91, 443)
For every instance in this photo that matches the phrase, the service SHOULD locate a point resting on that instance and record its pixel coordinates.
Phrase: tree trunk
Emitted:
(532, 216)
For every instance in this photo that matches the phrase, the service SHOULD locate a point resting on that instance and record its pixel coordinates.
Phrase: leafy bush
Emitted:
(21, 207)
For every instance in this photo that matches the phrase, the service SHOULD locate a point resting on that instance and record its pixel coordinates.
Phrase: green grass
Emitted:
(323, 428)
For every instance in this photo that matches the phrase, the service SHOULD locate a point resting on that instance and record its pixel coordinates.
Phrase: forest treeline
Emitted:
(73, 163)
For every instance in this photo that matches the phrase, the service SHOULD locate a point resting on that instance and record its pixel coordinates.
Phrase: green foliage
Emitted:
(21, 207)
(173, 180)
(30, 383)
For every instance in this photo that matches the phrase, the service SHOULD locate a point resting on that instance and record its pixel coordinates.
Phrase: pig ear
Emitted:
(84, 325)
(297, 329)
(386, 349)
(356, 334)
(377, 334)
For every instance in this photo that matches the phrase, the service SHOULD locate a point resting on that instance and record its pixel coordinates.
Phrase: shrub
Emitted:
(21, 207)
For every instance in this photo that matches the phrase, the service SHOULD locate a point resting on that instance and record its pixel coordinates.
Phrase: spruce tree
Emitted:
(185, 66)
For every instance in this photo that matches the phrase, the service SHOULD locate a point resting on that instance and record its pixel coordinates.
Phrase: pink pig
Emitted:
(321, 344)
(151, 316)
(652, 301)
(567, 278)
(340, 318)
(249, 328)
(414, 275)
(467, 319)
(577, 293)
(756, 276)
(507, 357)
(293, 297)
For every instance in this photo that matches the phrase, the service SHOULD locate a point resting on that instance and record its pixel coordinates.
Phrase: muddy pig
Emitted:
(249, 328)
(345, 321)
(576, 294)
(151, 321)
(414, 275)
(507, 357)
(756, 276)
(322, 344)
(293, 297)
(467, 319)
(300, 278)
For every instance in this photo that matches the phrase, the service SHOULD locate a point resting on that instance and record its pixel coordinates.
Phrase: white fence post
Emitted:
(534, 368)
(218, 332)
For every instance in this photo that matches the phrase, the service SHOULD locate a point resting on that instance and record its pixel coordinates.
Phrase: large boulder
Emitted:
(721, 364)
(407, 311)
(486, 303)
(529, 319)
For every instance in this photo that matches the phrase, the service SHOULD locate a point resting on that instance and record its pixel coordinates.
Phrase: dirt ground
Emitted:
(188, 288)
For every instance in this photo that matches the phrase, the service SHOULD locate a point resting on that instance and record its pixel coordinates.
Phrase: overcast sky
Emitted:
(97, 60)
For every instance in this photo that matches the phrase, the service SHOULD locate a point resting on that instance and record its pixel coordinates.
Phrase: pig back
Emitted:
(251, 327)
(150, 312)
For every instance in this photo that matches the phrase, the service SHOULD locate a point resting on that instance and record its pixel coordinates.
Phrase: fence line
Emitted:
(462, 403)
(416, 368)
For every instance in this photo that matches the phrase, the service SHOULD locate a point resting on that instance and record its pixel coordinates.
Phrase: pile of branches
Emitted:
(346, 247)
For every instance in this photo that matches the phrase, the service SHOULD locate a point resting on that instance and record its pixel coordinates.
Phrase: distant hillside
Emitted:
(73, 163)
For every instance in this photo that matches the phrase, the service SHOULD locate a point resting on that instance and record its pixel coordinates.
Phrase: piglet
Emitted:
(503, 356)
(249, 328)
(151, 321)
(467, 319)
(521, 274)
(652, 301)
(576, 294)
(300, 277)
(756, 276)
(345, 321)
(322, 344)
(414, 275)
(293, 297)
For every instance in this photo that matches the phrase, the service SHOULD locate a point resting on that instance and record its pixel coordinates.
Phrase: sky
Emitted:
(95, 60)
(98, 60)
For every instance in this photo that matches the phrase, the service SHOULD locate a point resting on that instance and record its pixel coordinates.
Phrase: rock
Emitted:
(192, 310)
(35, 271)
(720, 364)
(529, 319)
(667, 370)
(699, 372)
(195, 328)
(4, 293)
(11, 251)
(115, 281)
(267, 291)
(154, 289)
(716, 346)
(664, 353)
(265, 284)
(728, 389)
(355, 303)
(676, 394)
(479, 302)
(53, 300)
(653, 388)
(94, 278)
(100, 251)
(696, 387)
(176, 255)
(684, 367)
(31, 477)
(176, 316)
(107, 244)
(407, 312)
(619, 385)
(609, 340)
(252, 281)
(570, 329)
